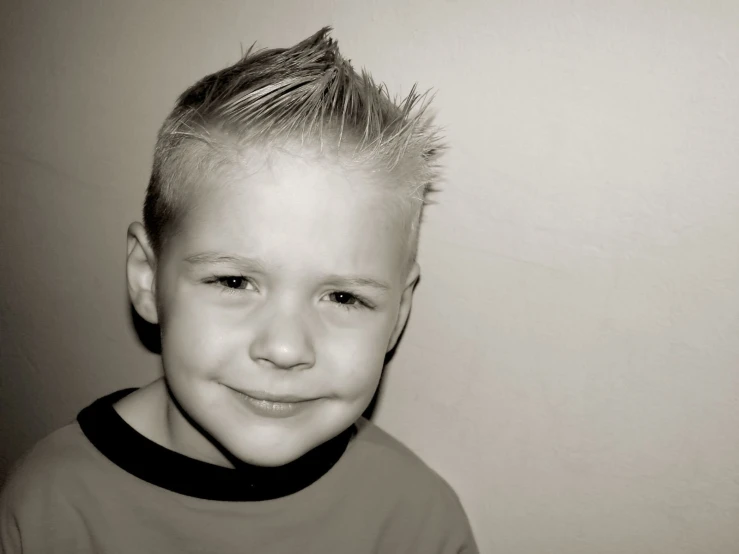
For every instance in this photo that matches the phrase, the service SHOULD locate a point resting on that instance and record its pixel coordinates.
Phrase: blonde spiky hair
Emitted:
(306, 92)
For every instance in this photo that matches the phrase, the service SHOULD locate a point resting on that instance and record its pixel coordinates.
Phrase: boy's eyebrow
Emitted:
(340, 281)
(204, 258)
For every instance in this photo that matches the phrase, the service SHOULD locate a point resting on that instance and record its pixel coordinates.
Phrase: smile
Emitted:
(271, 405)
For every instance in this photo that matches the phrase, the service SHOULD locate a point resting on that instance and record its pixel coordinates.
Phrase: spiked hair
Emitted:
(308, 92)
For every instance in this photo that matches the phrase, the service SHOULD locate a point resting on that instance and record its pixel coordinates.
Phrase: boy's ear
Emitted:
(141, 273)
(405, 304)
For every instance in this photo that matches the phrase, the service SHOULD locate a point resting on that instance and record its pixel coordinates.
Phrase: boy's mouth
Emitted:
(278, 398)
(271, 405)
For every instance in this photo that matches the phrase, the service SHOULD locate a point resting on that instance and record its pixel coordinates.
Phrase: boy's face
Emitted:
(279, 299)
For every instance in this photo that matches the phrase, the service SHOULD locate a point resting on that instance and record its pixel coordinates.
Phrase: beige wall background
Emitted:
(571, 362)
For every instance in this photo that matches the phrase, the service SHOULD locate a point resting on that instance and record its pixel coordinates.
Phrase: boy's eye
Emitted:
(233, 282)
(349, 301)
(343, 298)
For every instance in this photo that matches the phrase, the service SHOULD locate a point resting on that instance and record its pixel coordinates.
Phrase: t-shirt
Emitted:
(97, 485)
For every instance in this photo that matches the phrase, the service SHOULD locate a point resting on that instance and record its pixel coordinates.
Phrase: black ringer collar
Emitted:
(147, 460)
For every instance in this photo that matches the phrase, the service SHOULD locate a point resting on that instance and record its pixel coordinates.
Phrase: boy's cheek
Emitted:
(198, 344)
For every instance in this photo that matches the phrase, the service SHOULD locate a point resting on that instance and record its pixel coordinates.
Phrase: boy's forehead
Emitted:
(257, 207)
(306, 170)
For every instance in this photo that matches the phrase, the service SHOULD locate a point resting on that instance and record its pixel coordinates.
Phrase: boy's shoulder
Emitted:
(50, 465)
(412, 503)
(41, 487)
(389, 464)
(377, 442)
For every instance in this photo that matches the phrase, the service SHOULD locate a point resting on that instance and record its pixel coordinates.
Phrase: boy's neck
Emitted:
(152, 461)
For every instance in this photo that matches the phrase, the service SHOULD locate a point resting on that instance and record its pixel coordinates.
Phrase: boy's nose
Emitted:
(284, 342)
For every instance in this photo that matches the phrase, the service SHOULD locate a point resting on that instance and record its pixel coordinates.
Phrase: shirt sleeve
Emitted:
(456, 536)
(435, 523)
(10, 540)
(10, 536)
(35, 516)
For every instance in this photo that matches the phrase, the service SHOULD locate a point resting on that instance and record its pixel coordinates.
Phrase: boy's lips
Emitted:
(268, 397)
(273, 405)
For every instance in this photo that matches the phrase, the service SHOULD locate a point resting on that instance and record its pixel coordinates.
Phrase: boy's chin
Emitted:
(279, 447)
(269, 456)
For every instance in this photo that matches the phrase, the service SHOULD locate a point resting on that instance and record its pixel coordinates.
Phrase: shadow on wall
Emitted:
(150, 338)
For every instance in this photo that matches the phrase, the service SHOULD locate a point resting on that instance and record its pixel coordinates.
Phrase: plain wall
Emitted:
(571, 361)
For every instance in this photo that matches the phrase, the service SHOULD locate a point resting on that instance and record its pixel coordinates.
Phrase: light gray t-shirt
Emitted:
(98, 486)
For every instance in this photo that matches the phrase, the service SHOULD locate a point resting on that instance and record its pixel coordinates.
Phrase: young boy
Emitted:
(277, 257)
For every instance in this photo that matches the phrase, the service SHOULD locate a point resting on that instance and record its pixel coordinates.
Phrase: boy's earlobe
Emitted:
(141, 273)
